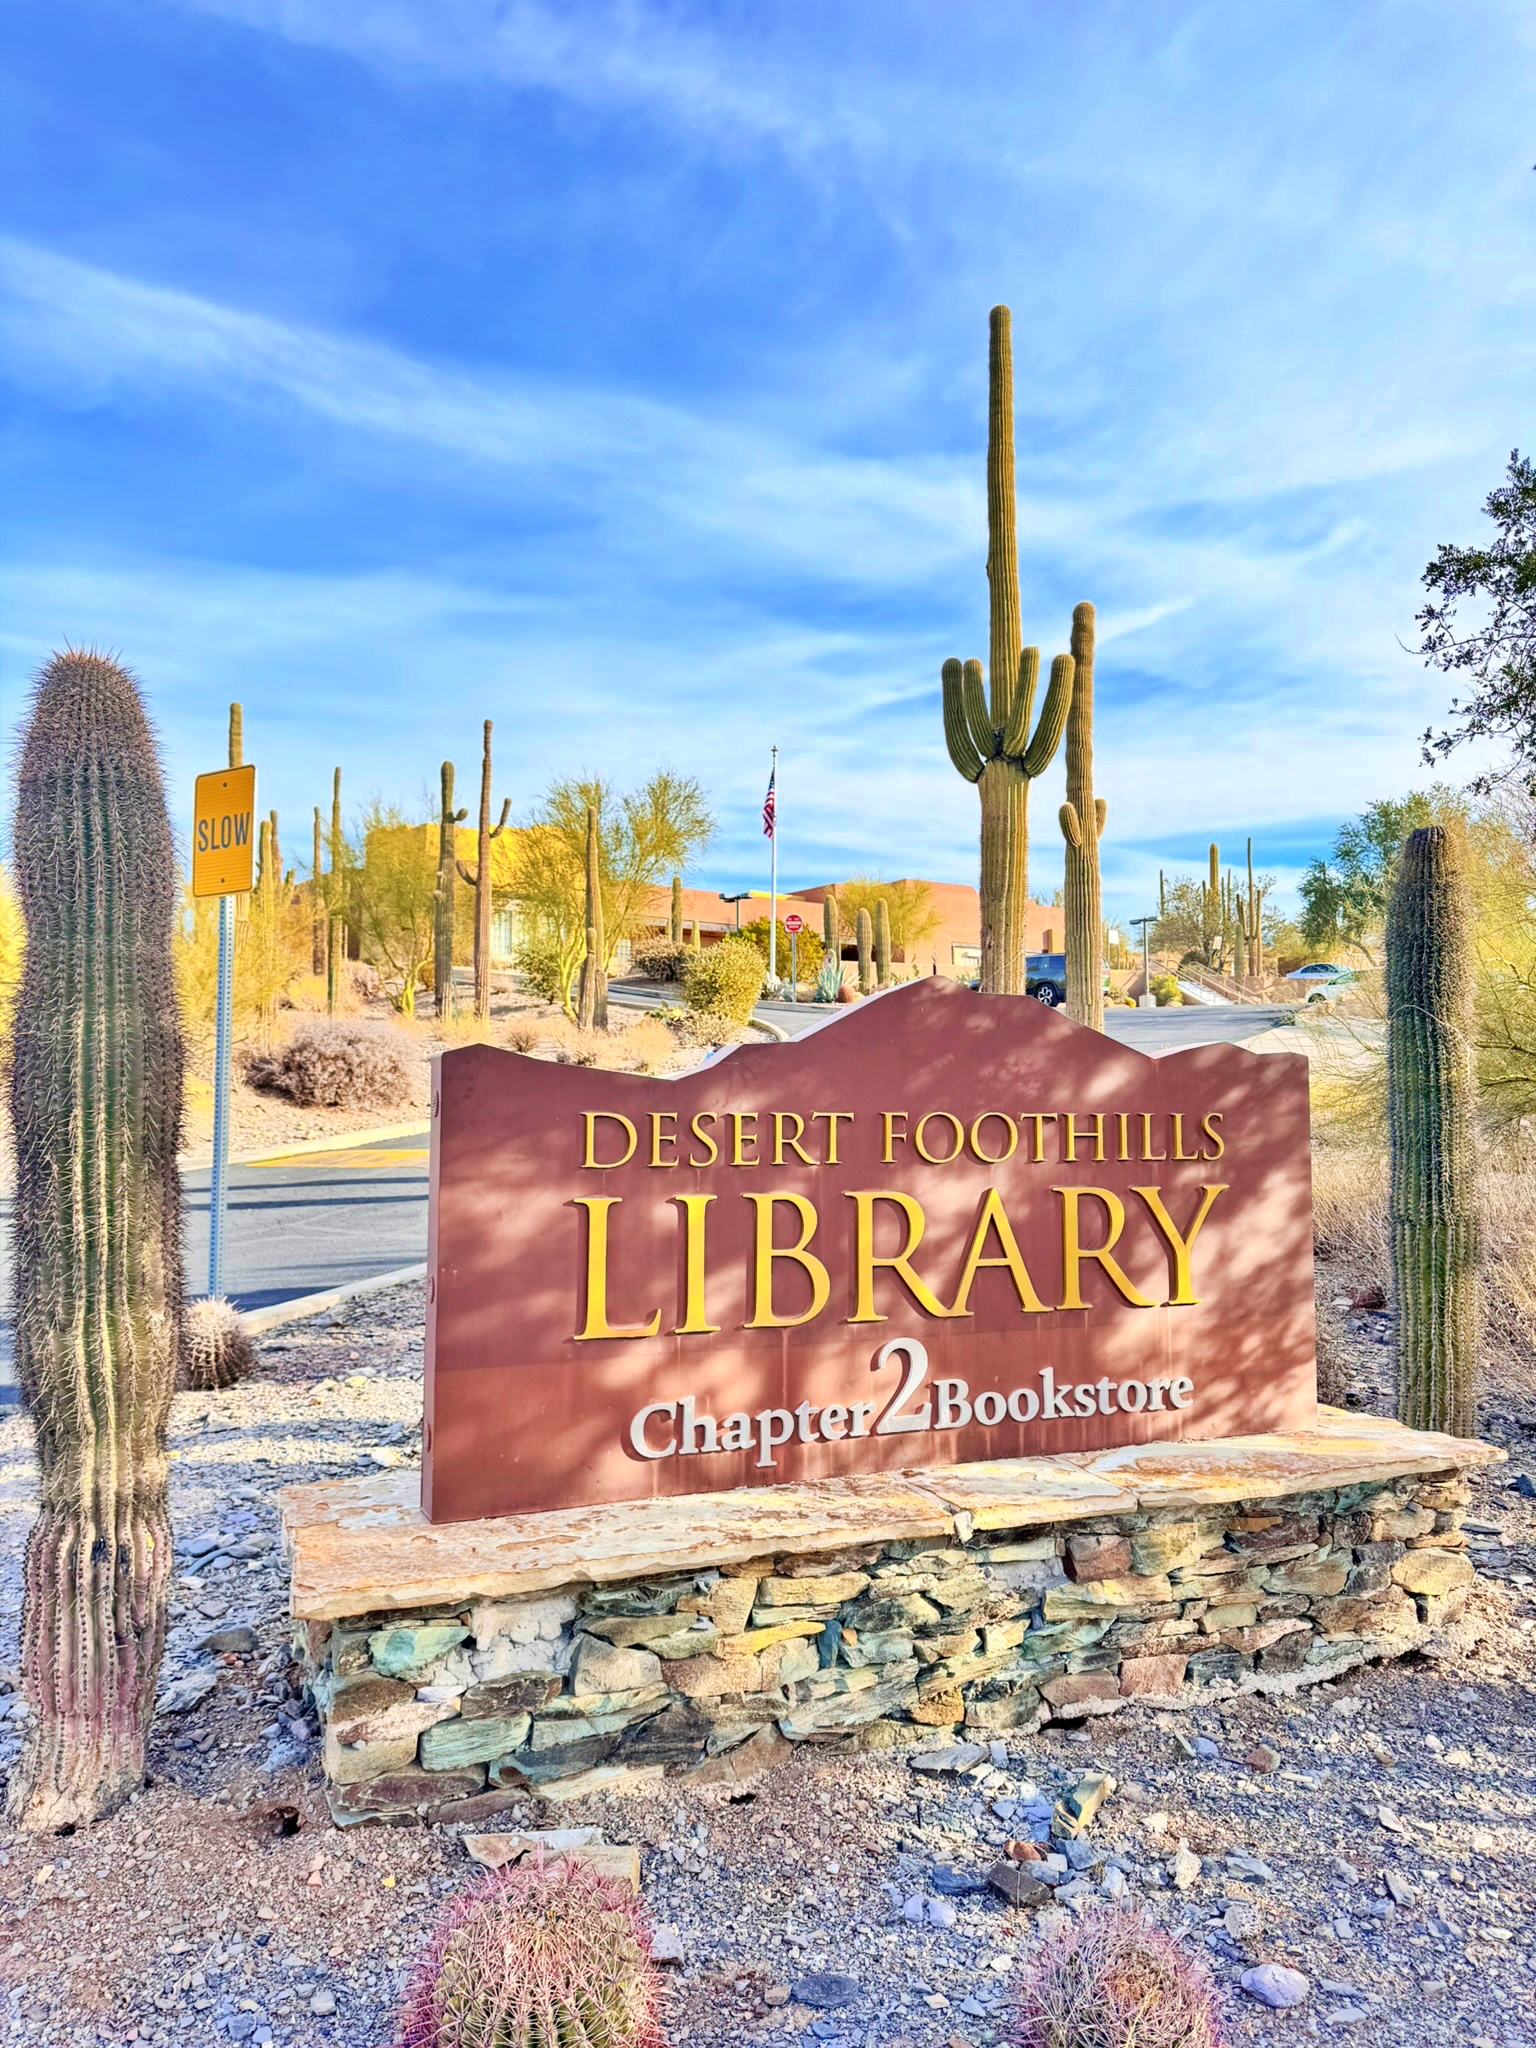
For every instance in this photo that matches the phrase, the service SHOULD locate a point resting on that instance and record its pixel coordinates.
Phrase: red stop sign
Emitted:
(794, 923)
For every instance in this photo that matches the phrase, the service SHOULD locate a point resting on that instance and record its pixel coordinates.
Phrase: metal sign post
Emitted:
(223, 814)
(794, 924)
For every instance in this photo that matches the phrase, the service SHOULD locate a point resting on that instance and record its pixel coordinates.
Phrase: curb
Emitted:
(337, 1141)
(304, 1305)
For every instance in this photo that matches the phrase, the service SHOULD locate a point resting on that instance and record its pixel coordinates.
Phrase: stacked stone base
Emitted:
(454, 1709)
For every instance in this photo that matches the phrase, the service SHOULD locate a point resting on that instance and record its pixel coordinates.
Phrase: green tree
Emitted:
(1496, 657)
(910, 906)
(1344, 899)
(394, 893)
(643, 835)
(808, 948)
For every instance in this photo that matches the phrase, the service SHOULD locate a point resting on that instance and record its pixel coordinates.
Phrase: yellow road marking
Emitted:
(362, 1159)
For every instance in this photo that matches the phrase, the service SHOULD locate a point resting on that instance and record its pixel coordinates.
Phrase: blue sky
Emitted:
(618, 372)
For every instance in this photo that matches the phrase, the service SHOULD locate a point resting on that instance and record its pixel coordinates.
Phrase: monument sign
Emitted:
(938, 1227)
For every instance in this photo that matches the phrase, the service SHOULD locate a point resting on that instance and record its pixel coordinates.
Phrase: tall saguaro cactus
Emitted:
(831, 929)
(996, 744)
(1433, 1200)
(675, 916)
(882, 942)
(443, 906)
(479, 878)
(1082, 821)
(592, 1001)
(864, 933)
(96, 1078)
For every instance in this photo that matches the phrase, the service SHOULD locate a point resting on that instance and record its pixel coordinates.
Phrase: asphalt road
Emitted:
(302, 1222)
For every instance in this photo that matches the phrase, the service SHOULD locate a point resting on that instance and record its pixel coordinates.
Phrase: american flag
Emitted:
(769, 805)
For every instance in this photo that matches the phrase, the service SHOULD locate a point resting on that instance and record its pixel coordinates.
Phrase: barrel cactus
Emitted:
(216, 1349)
(96, 1081)
(538, 1956)
(1433, 1201)
(1082, 821)
(882, 941)
(864, 933)
(997, 744)
(1111, 1979)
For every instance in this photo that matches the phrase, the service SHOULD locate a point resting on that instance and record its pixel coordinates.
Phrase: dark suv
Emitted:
(1045, 978)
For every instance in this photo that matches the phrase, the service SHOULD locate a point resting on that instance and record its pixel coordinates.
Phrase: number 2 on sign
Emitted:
(896, 1422)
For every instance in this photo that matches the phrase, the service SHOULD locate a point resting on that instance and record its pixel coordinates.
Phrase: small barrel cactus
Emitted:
(216, 1350)
(539, 1956)
(1112, 1980)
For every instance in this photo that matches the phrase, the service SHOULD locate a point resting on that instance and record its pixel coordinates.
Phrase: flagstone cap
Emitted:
(362, 1544)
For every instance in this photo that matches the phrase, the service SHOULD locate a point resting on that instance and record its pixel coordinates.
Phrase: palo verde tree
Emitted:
(592, 1011)
(998, 745)
(96, 1081)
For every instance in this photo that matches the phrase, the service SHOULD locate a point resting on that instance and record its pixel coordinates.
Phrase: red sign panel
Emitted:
(794, 924)
(937, 1227)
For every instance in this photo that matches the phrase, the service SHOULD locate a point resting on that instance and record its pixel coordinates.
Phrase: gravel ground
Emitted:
(1383, 1846)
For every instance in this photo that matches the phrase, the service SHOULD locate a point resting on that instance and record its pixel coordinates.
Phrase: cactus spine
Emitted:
(1433, 1206)
(882, 942)
(675, 925)
(96, 1079)
(1082, 822)
(479, 878)
(994, 745)
(864, 932)
(443, 905)
(592, 1008)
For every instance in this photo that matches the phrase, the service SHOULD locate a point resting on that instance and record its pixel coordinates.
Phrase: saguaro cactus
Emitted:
(592, 1003)
(995, 745)
(675, 921)
(1433, 1201)
(831, 932)
(479, 879)
(96, 1079)
(882, 942)
(864, 933)
(443, 907)
(1082, 821)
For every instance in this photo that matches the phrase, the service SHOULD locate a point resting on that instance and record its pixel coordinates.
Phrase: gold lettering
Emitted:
(834, 1117)
(695, 1317)
(993, 1216)
(1039, 1119)
(590, 1118)
(1178, 1139)
(1074, 1253)
(781, 1117)
(1146, 1138)
(740, 1135)
(889, 1134)
(705, 1116)
(994, 1158)
(766, 1251)
(955, 1125)
(1123, 1119)
(1070, 1136)
(1215, 1136)
(597, 1323)
(1183, 1295)
(865, 1259)
(658, 1118)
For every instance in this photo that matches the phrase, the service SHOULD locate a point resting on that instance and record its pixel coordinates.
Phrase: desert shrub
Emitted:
(1114, 1981)
(364, 977)
(809, 950)
(332, 1064)
(306, 993)
(527, 1034)
(216, 1350)
(539, 1954)
(726, 979)
(646, 1045)
(1166, 988)
(706, 1027)
(660, 960)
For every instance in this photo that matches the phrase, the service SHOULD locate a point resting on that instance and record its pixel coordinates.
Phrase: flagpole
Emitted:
(773, 875)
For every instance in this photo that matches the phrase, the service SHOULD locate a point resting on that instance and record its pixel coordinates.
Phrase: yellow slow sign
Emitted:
(223, 831)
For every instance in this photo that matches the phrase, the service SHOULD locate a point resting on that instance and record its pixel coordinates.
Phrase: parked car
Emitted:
(1045, 978)
(1320, 970)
